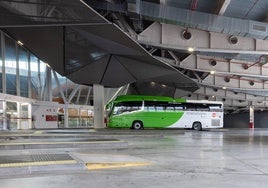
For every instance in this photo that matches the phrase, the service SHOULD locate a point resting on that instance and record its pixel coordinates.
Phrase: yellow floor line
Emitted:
(3, 165)
(105, 165)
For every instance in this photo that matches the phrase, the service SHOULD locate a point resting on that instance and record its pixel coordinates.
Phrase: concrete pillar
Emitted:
(30, 120)
(66, 116)
(98, 100)
(5, 115)
(251, 117)
(18, 116)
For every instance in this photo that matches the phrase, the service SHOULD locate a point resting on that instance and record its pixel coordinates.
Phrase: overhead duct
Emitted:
(204, 21)
(188, 18)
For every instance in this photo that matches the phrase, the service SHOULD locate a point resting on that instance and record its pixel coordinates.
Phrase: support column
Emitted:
(30, 118)
(49, 84)
(66, 116)
(251, 116)
(17, 70)
(98, 98)
(3, 52)
(5, 115)
(18, 116)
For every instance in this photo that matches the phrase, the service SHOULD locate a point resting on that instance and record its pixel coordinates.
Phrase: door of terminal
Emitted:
(15, 115)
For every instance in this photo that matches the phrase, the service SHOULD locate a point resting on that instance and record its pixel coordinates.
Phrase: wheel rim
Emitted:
(137, 125)
(196, 126)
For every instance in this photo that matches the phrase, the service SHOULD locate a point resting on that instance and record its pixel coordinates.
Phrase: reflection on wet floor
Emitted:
(151, 158)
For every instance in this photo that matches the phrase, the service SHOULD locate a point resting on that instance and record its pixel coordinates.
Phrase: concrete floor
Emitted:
(157, 159)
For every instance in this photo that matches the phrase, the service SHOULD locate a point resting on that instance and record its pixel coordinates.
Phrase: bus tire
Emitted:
(137, 125)
(197, 126)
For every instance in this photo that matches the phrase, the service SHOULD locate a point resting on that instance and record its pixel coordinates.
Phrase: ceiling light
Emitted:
(223, 87)
(190, 49)
(212, 72)
(153, 83)
(20, 43)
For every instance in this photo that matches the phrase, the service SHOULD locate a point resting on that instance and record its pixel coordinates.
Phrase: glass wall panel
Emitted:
(1, 82)
(73, 117)
(66, 86)
(35, 82)
(1, 64)
(11, 111)
(10, 64)
(43, 67)
(23, 71)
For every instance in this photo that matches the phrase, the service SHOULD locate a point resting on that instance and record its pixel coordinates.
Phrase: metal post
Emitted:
(4, 115)
(30, 120)
(251, 116)
(49, 84)
(3, 51)
(19, 115)
(17, 70)
(29, 76)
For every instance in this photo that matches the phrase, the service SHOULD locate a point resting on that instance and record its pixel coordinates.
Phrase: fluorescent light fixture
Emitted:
(20, 43)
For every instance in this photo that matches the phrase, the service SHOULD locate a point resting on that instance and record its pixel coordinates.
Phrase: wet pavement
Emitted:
(144, 158)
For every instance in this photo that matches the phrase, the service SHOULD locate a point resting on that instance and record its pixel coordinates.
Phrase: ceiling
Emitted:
(228, 60)
(82, 45)
(228, 39)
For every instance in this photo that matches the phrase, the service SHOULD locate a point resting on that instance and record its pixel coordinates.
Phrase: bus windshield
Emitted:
(124, 107)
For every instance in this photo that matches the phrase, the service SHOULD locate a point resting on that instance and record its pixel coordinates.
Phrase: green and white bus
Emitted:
(139, 112)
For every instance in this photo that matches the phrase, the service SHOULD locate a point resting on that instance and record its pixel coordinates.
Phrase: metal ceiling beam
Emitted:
(223, 5)
(76, 88)
(230, 99)
(229, 103)
(240, 79)
(225, 67)
(167, 36)
(254, 77)
(209, 90)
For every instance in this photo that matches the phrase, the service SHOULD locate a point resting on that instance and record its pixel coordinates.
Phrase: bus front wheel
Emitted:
(197, 126)
(137, 125)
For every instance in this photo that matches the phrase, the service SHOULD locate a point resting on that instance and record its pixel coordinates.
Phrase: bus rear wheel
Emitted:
(137, 125)
(197, 126)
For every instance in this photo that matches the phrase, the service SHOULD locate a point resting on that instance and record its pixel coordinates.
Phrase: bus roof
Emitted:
(147, 98)
(124, 98)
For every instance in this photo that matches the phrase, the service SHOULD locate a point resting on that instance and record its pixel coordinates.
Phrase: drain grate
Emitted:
(29, 160)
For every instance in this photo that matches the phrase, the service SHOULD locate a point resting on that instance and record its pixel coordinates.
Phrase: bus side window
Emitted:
(179, 108)
(151, 108)
(159, 108)
(216, 108)
(169, 108)
(190, 107)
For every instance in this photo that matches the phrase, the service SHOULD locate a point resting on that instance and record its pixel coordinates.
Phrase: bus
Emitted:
(139, 112)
